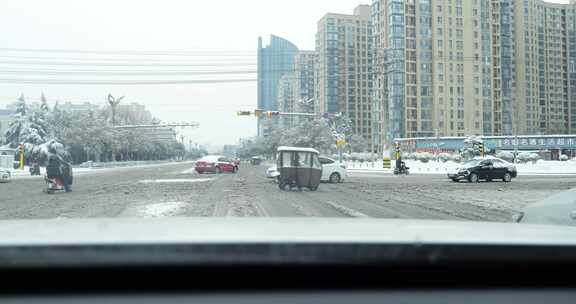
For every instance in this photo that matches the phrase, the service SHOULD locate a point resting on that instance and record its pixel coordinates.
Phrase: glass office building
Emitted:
(274, 61)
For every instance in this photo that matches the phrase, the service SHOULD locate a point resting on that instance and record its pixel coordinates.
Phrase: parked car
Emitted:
(488, 169)
(332, 171)
(272, 172)
(4, 176)
(256, 161)
(215, 164)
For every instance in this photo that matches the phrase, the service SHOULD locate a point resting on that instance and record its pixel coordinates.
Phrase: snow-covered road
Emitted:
(175, 190)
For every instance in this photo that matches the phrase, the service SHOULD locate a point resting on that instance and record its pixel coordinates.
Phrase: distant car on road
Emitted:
(215, 164)
(4, 176)
(332, 171)
(272, 172)
(256, 161)
(488, 169)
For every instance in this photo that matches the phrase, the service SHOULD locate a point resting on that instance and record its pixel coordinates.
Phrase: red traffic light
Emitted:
(272, 113)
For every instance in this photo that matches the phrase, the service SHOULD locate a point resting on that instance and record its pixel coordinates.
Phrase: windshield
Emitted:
(368, 109)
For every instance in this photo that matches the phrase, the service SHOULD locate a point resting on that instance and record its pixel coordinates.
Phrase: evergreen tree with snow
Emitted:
(29, 126)
(12, 134)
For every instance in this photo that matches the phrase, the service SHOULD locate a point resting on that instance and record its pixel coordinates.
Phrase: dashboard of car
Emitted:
(285, 261)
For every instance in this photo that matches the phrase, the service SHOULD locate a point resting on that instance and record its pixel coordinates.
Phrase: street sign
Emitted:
(244, 113)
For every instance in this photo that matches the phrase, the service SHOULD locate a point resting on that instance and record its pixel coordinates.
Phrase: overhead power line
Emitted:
(125, 73)
(132, 52)
(129, 59)
(121, 82)
(111, 64)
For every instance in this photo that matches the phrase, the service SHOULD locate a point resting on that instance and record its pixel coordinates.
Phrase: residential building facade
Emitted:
(345, 67)
(287, 99)
(473, 67)
(305, 81)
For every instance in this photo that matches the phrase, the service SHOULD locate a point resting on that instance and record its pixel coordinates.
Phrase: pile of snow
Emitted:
(347, 211)
(163, 210)
(174, 181)
(539, 167)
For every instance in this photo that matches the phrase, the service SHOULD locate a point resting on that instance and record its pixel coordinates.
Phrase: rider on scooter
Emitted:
(60, 171)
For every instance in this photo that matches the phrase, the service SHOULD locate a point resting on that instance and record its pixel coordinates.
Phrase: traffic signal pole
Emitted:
(21, 152)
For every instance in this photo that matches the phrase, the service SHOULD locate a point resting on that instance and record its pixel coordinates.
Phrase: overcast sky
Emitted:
(210, 27)
(167, 25)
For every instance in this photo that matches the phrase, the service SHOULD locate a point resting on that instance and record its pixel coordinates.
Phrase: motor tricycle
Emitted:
(299, 168)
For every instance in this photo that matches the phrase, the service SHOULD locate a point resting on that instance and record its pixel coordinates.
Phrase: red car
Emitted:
(215, 164)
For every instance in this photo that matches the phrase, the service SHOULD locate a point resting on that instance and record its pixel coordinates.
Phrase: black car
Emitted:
(484, 169)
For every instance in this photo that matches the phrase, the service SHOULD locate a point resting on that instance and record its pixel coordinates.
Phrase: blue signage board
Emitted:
(496, 143)
(531, 143)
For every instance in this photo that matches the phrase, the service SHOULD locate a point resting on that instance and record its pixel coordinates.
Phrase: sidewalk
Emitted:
(540, 168)
(15, 173)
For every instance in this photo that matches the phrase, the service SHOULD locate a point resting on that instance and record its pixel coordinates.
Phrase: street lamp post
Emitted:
(515, 147)
(437, 144)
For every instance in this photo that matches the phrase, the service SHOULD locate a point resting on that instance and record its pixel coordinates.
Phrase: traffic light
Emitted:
(244, 113)
(481, 148)
(21, 156)
(272, 113)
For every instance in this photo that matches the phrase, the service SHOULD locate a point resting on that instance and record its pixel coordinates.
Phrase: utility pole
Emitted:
(437, 144)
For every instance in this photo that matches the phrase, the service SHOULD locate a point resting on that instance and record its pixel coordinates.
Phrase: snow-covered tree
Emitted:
(357, 143)
(505, 155)
(44, 104)
(14, 132)
(444, 157)
(471, 147)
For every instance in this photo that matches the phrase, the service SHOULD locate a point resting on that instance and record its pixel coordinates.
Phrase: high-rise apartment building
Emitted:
(473, 67)
(287, 99)
(344, 67)
(305, 81)
(429, 78)
(296, 90)
(274, 61)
